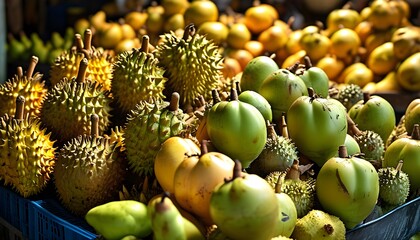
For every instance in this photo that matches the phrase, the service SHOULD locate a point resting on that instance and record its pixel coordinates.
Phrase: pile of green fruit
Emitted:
(157, 140)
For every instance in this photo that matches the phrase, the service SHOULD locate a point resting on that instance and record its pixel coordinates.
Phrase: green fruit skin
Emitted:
(351, 145)
(237, 129)
(281, 89)
(412, 115)
(256, 71)
(317, 79)
(117, 219)
(317, 127)
(408, 150)
(287, 216)
(348, 188)
(245, 208)
(377, 115)
(258, 101)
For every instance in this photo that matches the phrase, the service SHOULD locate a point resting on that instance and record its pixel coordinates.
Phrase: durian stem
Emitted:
(271, 132)
(283, 126)
(215, 96)
(366, 97)
(308, 63)
(145, 44)
(293, 172)
(94, 125)
(277, 187)
(81, 75)
(19, 72)
(399, 165)
(20, 107)
(233, 94)
(78, 42)
(294, 67)
(189, 30)
(88, 40)
(31, 67)
(174, 103)
(353, 130)
(342, 151)
(416, 132)
(238, 87)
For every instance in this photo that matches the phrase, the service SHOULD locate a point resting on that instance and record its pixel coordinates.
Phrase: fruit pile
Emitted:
(220, 127)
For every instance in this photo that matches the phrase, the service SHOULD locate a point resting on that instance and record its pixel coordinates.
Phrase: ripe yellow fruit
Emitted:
(260, 18)
(200, 11)
(238, 36)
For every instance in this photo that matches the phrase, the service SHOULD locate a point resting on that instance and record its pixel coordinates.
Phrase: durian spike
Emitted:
(145, 44)
(88, 41)
(308, 63)
(353, 130)
(19, 72)
(416, 132)
(399, 165)
(342, 152)
(283, 126)
(215, 96)
(81, 75)
(293, 172)
(78, 42)
(20, 107)
(189, 30)
(94, 131)
(145, 186)
(31, 67)
(233, 94)
(174, 103)
(238, 87)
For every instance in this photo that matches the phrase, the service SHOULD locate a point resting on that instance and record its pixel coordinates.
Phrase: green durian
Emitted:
(137, 77)
(394, 185)
(68, 105)
(193, 64)
(349, 95)
(90, 172)
(27, 155)
(371, 145)
(31, 86)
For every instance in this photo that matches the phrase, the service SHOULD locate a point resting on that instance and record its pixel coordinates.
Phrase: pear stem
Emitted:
(94, 121)
(293, 172)
(204, 149)
(283, 126)
(20, 107)
(238, 87)
(237, 170)
(366, 97)
(145, 44)
(31, 67)
(174, 103)
(277, 187)
(353, 130)
(416, 132)
(81, 75)
(215, 96)
(308, 63)
(88, 40)
(294, 67)
(311, 92)
(342, 151)
(19, 72)
(188, 31)
(233, 94)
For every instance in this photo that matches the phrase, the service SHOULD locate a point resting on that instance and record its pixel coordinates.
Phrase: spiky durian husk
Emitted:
(192, 65)
(147, 128)
(32, 89)
(68, 105)
(394, 186)
(143, 192)
(90, 172)
(66, 65)
(349, 95)
(26, 154)
(398, 132)
(371, 145)
(136, 77)
(302, 192)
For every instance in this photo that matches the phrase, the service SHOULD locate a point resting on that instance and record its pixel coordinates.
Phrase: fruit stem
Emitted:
(342, 152)
(283, 126)
(19, 72)
(353, 130)
(189, 30)
(88, 40)
(271, 133)
(233, 94)
(308, 63)
(237, 171)
(256, 3)
(20, 107)
(215, 96)
(293, 172)
(145, 44)
(82, 71)
(204, 149)
(399, 165)
(31, 67)
(174, 104)
(294, 67)
(290, 21)
(94, 121)
(366, 97)
(78, 42)
(277, 187)
(347, 5)
(311, 93)
(416, 132)
(238, 87)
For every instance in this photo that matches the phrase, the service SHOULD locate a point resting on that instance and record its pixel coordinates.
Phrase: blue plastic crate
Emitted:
(14, 210)
(7, 231)
(50, 221)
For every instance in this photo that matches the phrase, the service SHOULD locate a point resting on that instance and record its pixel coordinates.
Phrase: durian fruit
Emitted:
(66, 65)
(137, 77)
(398, 132)
(27, 155)
(31, 86)
(193, 64)
(318, 224)
(68, 105)
(148, 126)
(302, 192)
(143, 192)
(278, 154)
(349, 95)
(90, 171)
(394, 185)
